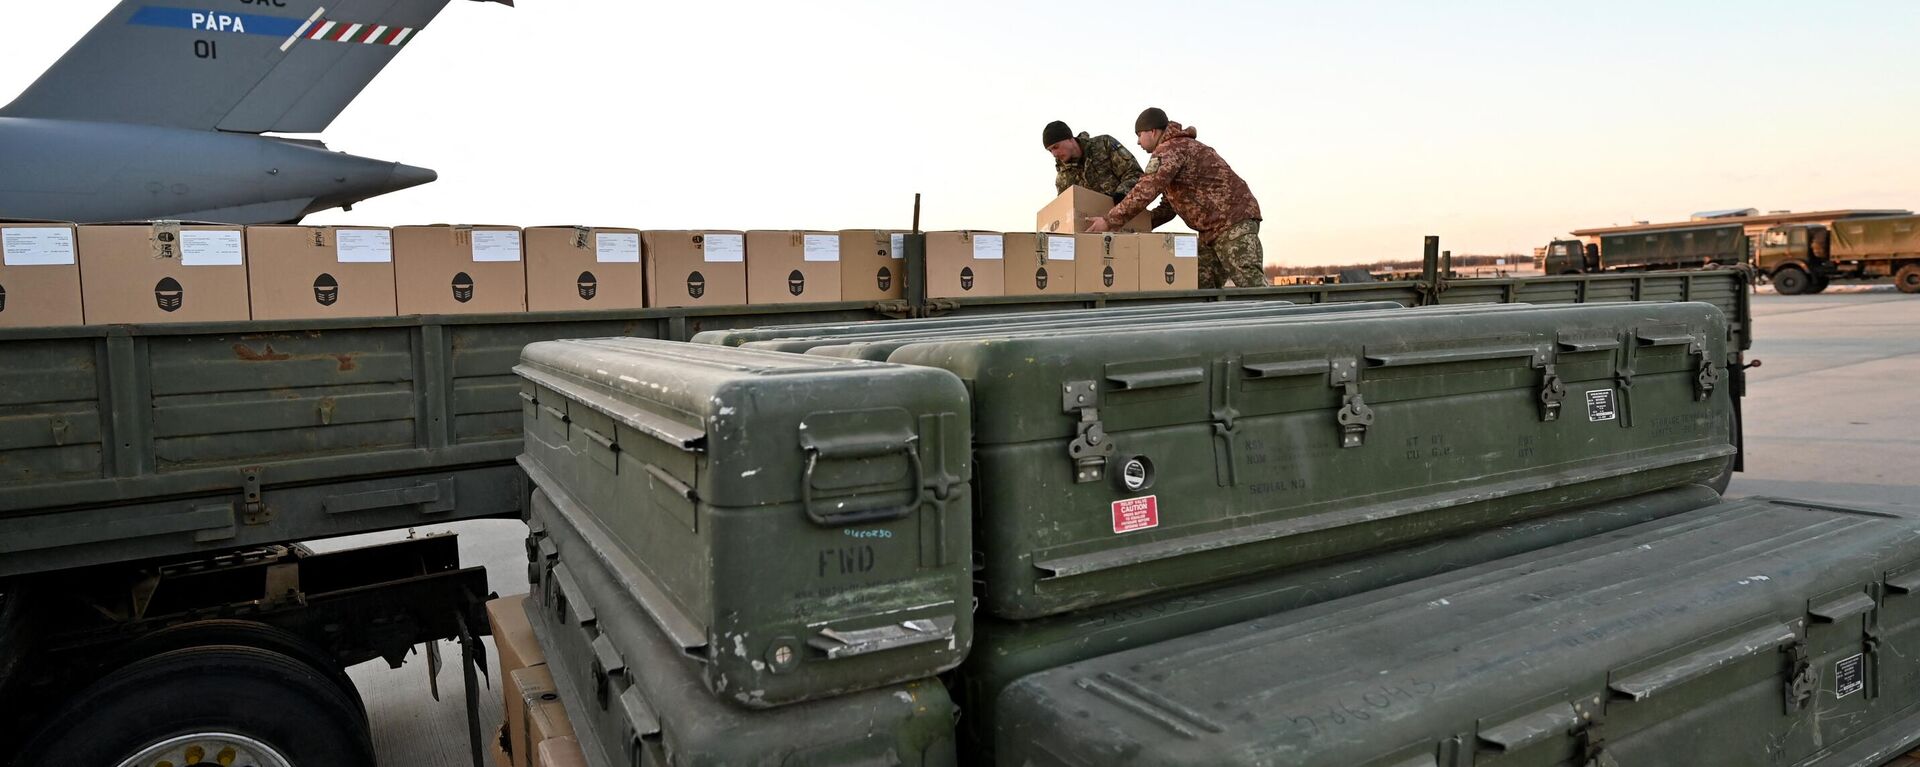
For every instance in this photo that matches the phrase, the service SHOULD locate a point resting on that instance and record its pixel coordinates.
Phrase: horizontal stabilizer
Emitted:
(287, 66)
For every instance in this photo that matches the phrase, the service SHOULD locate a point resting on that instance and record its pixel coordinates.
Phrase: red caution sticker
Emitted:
(1130, 514)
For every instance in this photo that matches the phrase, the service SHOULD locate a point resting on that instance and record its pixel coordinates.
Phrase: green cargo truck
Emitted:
(1694, 247)
(1804, 258)
(156, 483)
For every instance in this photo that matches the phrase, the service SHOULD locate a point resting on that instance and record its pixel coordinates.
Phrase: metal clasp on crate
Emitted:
(1553, 392)
(1090, 447)
(1354, 416)
(1802, 680)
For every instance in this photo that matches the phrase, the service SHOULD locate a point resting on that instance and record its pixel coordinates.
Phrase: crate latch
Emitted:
(254, 509)
(1553, 392)
(1354, 415)
(1802, 681)
(1090, 447)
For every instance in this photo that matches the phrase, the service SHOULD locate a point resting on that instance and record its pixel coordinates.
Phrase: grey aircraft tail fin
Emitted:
(244, 66)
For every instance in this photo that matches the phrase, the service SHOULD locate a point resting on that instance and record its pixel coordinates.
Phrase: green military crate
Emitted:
(739, 336)
(1003, 651)
(1754, 632)
(1134, 461)
(1172, 314)
(635, 698)
(879, 350)
(800, 522)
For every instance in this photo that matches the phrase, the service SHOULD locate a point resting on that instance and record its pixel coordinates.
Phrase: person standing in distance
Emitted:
(1099, 163)
(1205, 192)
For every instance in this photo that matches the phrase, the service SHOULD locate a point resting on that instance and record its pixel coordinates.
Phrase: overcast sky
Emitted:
(1361, 126)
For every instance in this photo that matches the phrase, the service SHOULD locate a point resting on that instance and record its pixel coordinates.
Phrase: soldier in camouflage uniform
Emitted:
(1205, 193)
(1099, 163)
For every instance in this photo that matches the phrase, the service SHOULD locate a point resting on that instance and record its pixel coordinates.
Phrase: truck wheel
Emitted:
(1791, 281)
(1908, 278)
(1820, 284)
(208, 705)
(259, 636)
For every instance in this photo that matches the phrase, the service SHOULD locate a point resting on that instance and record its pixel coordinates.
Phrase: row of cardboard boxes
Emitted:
(56, 274)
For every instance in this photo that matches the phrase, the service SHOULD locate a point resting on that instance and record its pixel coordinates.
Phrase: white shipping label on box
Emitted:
(37, 246)
(201, 247)
(821, 247)
(726, 248)
(897, 245)
(1059, 248)
(496, 245)
(363, 246)
(988, 247)
(616, 247)
(1186, 247)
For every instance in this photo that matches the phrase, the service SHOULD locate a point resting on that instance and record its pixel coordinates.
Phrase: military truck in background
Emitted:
(1805, 258)
(157, 484)
(1702, 247)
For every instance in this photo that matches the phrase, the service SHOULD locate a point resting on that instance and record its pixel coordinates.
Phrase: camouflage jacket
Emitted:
(1198, 184)
(1104, 166)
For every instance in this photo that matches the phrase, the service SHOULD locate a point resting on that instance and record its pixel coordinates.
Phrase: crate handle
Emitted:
(865, 513)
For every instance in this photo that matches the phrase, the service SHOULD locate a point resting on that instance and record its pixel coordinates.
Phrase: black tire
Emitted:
(1820, 284)
(260, 636)
(1908, 278)
(1791, 281)
(246, 691)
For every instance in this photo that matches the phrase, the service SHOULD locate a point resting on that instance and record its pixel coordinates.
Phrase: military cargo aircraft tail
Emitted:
(243, 66)
(155, 112)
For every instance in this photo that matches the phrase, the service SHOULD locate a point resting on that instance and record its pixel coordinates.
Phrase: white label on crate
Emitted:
(988, 247)
(1600, 405)
(37, 245)
(821, 247)
(1849, 676)
(217, 247)
(1186, 247)
(496, 245)
(616, 247)
(1130, 514)
(726, 248)
(897, 245)
(363, 246)
(1059, 247)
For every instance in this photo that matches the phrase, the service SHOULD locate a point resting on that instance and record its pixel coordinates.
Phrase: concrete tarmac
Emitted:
(1830, 415)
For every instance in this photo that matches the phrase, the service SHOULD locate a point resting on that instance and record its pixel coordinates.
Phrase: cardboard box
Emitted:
(1107, 263)
(541, 714)
(1039, 264)
(873, 265)
(703, 268)
(1068, 213)
(560, 752)
(442, 269)
(513, 634)
(577, 268)
(310, 272)
(793, 267)
(1169, 261)
(39, 276)
(163, 272)
(966, 263)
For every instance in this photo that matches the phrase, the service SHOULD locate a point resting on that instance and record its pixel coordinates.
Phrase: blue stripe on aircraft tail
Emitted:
(214, 21)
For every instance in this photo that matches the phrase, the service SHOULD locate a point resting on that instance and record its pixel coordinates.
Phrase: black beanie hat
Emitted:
(1151, 119)
(1055, 133)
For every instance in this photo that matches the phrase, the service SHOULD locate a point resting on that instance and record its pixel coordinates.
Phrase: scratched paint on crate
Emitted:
(1130, 514)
